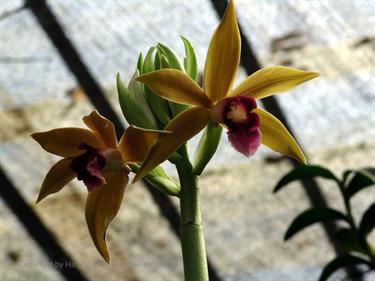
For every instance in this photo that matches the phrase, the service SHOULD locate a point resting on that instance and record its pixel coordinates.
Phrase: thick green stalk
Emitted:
(192, 239)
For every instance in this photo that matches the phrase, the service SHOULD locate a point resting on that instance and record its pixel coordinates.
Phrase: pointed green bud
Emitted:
(136, 91)
(140, 63)
(157, 61)
(207, 147)
(190, 61)
(171, 56)
(164, 62)
(158, 105)
(160, 179)
(131, 109)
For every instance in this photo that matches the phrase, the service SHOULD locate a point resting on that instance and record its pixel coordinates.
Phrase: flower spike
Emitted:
(247, 125)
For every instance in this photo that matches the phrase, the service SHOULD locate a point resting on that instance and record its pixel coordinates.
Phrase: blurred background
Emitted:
(51, 55)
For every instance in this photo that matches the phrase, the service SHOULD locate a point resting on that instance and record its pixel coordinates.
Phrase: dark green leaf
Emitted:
(348, 238)
(312, 216)
(207, 147)
(132, 110)
(367, 223)
(357, 180)
(190, 61)
(302, 172)
(340, 262)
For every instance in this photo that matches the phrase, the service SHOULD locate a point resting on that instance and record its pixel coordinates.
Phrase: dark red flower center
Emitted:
(243, 124)
(89, 166)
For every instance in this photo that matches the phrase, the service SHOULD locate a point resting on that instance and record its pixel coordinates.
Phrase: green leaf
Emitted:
(160, 179)
(170, 55)
(148, 64)
(158, 105)
(164, 62)
(311, 216)
(136, 91)
(367, 223)
(349, 239)
(207, 147)
(356, 180)
(131, 109)
(140, 63)
(157, 61)
(190, 61)
(340, 262)
(302, 172)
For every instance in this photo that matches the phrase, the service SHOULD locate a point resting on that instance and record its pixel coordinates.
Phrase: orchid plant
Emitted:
(165, 108)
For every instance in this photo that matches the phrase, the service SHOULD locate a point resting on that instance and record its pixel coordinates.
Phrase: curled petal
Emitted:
(176, 86)
(183, 127)
(244, 140)
(271, 80)
(135, 143)
(103, 127)
(102, 206)
(57, 177)
(276, 136)
(223, 56)
(65, 142)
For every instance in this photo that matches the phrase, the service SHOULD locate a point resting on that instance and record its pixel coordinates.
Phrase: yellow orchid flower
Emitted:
(94, 157)
(236, 109)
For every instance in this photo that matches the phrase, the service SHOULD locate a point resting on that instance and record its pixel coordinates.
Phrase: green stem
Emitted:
(192, 239)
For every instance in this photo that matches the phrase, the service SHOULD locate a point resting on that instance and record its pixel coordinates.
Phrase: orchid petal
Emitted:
(65, 141)
(276, 136)
(135, 143)
(102, 205)
(223, 56)
(270, 80)
(176, 86)
(183, 127)
(103, 127)
(57, 177)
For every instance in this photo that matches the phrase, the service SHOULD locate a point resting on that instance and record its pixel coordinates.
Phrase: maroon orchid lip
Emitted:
(88, 167)
(242, 123)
